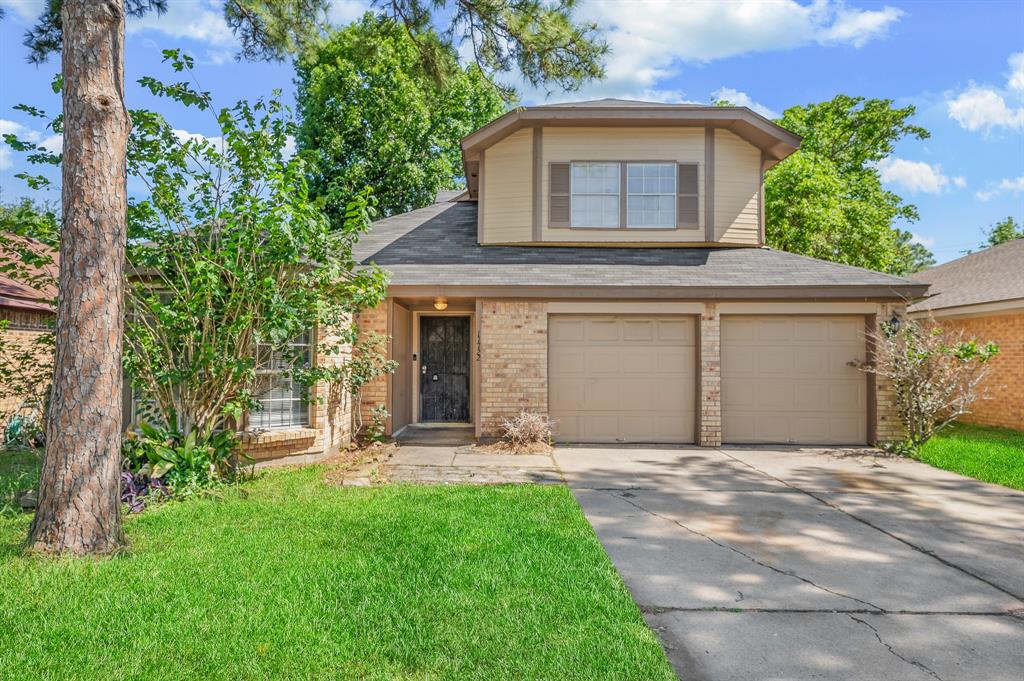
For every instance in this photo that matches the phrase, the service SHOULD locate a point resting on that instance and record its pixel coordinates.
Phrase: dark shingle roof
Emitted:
(437, 245)
(989, 276)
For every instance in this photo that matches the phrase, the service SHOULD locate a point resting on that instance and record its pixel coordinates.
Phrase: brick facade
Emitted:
(888, 427)
(1004, 403)
(709, 418)
(376, 391)
(23, 327)
(513, 362)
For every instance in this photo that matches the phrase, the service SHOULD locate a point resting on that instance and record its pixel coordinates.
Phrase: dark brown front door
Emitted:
(444, 369)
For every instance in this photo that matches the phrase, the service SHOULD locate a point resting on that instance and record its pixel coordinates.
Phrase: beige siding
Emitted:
(402, 379)
(508, 189)
(681, 145)
(737, 190)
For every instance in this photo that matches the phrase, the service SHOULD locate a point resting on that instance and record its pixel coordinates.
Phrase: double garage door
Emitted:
(633, 378)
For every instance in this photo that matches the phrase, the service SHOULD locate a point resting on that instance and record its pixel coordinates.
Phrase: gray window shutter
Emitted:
(688, 196)
(558, 195)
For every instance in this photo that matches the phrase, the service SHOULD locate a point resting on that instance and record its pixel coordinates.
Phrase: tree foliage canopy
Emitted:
(827, 200)
(372, 116)
(1003, 231)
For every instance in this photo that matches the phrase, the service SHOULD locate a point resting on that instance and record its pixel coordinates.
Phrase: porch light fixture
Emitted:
(894, 325)
(440, 303)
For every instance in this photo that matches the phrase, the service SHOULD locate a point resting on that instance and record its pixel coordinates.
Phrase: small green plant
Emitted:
(369, 361)
(177, 459)
(379, 420)
(936, 375)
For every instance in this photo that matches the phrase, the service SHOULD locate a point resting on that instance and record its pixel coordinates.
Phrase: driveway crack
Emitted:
(746, 555)
(920, 665)
(919, 549)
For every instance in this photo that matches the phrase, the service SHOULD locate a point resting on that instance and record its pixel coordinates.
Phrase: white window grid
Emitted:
(285, 402)
(651, 195)
(595, 188)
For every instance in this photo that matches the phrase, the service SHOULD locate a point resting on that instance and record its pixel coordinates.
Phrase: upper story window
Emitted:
(624, 195)
(285, 402)
(595, 194)
(651, 195)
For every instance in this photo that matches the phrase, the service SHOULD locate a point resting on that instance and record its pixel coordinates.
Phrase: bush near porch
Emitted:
(983, 452)
(293, 578)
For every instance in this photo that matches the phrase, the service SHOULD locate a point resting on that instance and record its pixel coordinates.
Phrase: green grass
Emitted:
(296, 579)
(19, 471)
(989, 454)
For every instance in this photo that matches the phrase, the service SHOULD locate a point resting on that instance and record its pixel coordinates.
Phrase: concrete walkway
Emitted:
(457, 464)
(800, 564)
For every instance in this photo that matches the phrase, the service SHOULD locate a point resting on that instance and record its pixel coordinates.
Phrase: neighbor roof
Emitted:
(775, 141)
(437, 247)
(993, 275)
(19, 295)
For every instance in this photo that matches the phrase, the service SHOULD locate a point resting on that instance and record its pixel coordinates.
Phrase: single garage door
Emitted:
(621, 378)
(787, 380)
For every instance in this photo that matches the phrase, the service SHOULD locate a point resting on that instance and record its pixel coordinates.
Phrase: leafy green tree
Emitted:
(916, 256)
(371, 116)
(827, 200)
(1003, 231)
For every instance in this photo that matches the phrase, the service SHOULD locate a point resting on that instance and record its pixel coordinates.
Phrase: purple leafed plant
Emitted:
(137, 488)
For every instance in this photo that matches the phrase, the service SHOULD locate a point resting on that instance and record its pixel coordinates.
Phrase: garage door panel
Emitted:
(634, 330)
(637, 382)
(787, 379)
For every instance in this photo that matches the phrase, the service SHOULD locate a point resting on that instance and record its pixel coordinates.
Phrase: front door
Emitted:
(444, 369)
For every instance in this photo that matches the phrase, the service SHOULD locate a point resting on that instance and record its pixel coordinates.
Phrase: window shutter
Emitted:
(688, 196)
(558, 195)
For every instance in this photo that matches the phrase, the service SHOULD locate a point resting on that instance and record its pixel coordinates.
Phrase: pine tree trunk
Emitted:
(79, 508)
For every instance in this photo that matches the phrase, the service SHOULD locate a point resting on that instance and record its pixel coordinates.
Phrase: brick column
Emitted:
(513, 361)
(709, 430)
(888, 427)
(375, 392)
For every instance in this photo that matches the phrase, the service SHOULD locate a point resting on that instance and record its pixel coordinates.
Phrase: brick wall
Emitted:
(376, 391)
(888, 427)
(23, 328)
(709, 423)
(1004, 403)
(513, 361)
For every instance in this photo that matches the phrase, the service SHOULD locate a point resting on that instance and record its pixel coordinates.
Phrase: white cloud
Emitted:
(202, 21)
(857, 27)
(925, 241)
(649, 43)
(346, 11)
(26, 10)
(185, 135)
(1016, 79)
(914, 176)
(984, 108)
(743, 99)
(1011, 185)
(959, 181)
(52, 143)
(289, 147)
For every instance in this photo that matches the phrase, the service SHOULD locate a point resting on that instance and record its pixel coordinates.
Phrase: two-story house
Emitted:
(607, 266)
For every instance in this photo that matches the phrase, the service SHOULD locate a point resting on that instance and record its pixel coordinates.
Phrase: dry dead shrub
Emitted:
(526, 429)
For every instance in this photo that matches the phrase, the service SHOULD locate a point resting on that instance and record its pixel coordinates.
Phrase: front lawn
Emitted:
(989, 454)
(292, 578)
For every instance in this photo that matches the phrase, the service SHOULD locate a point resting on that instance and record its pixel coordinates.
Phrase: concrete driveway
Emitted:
(754, 563)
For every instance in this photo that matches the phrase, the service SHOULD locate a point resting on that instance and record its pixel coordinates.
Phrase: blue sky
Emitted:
(960, 63)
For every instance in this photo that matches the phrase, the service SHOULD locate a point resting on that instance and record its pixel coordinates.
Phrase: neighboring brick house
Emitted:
(983, 295)
(607, 266)
(28, 314)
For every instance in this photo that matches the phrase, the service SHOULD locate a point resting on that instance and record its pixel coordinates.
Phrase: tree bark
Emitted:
(79, 510)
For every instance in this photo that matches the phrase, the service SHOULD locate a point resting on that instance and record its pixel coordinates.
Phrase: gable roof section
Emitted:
(775, 141)
(19, 295)
(435, 249)
(990, 276)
